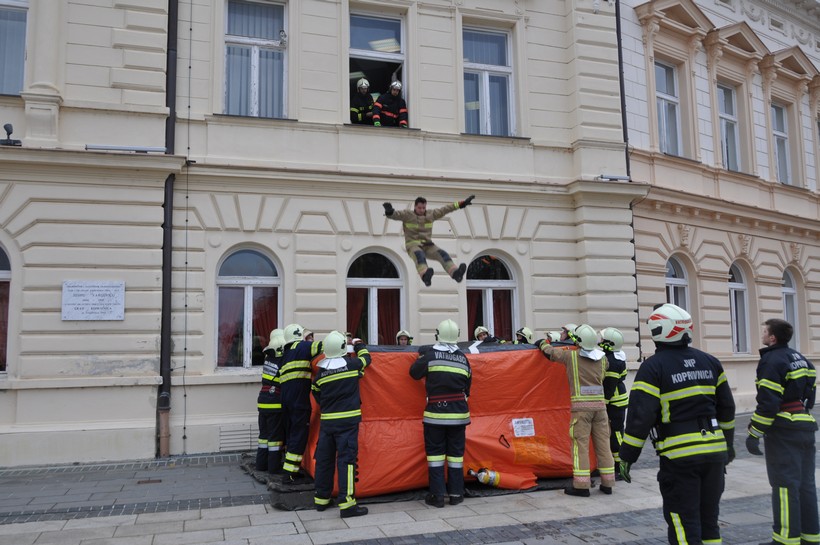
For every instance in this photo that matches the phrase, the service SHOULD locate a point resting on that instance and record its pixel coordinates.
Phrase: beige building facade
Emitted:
(191, 168)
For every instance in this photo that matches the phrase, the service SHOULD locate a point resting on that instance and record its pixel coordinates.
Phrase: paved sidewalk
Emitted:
(211, 500)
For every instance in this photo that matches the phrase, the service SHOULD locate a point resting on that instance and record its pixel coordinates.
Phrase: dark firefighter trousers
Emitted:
(444, 445)
(790, 466)
(421, 253)
(296, 417)
(271, 438)
(616, 431)
(691, 498)
(337, 449)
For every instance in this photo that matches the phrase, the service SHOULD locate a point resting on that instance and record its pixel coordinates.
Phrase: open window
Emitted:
(374, 299)
(376, 52)
(248, 308)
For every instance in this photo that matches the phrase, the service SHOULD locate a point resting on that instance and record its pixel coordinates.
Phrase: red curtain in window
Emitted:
(357, 312)
(474, 314)
(231, 311)
(4, 323)
(388, 315)
(265, 318)
(502, 314)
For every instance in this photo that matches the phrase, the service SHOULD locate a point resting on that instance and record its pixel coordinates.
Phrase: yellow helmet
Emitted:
(447, 332)
(587, 337)
(293, 332)
(277, 340)
(334, 345)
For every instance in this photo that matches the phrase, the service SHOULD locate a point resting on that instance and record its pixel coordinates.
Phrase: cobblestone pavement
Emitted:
(211, 500)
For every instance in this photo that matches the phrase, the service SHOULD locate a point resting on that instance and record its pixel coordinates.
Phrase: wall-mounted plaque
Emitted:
(93, 300)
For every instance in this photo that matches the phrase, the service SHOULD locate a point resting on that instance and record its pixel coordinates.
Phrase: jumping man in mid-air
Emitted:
(418, 233)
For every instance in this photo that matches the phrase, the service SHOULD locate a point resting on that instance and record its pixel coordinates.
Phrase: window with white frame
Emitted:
(255, 59)
(376, 52)
(790, 307)
(677, 286)
(374, 299)
(491, 296)
(248, 308)
(487, 83)
(12, 45)
(667, 100)
(738, 308)
(5, 284)
(729, 136)
(780, 134)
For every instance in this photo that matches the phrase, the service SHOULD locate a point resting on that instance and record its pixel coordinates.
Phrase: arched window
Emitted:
(677, 285)
(790, 307)
(374, 302)
(490, 296)
(248, 307)
(738, 307)
(5, 281)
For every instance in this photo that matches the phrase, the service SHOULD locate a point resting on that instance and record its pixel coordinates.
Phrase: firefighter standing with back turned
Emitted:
(785, 396)
(336, 390)
(682, 399)
(612, 340)
(269, 404)
(446, 415)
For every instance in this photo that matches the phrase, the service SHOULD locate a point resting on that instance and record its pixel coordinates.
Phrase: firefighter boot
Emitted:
(572, 491)
(355, 511)
(458, 274)
(427, 277)
(435, 501)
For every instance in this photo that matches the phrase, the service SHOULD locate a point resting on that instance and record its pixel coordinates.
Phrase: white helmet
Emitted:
(395, 85)
(526, 333)
(362, 83)
(612, 339)
(570, 329)
(554, 336)
(669, 324)
(447, 332)
(293, 332)
(586, 337)
(277, 340)
(334, 345)
(404, 333)
(480, 329)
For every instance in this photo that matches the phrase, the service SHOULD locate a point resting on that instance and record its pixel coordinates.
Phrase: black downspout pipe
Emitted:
(164, 398)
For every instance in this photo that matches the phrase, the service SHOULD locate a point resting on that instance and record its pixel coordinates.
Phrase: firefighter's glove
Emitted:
(753, 445)
(466, 202)
(625, 467)
(377, 124)
(356, 342)
(388, 209)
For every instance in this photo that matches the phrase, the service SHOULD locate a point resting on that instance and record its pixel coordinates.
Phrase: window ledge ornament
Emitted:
(684, 231)
(795, 248)
(745, 243)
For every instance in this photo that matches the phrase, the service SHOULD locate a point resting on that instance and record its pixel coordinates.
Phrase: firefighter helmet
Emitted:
(480, 329)
(277, 340)
(554, 336)
(526, 333)
(395, 85)
(447, 332)
(334, 345)
(586, 337)
(293, 332)
(669, 324)
(404, 333)
(612, 339)
(570, 330)
(362, 83)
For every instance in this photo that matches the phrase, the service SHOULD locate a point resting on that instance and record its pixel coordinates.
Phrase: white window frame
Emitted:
(781, 134)
(729, 119)
(484, 72)
(790, 310)
(5, 277)
(382, 56)
(248, 283)
(373, 285)
(256, 46)
(487, 287)
(18, 5)
(663, 101)
(739, 317)
(677, 288)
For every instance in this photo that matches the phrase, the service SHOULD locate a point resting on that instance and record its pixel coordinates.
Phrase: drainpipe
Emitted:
(164, 398)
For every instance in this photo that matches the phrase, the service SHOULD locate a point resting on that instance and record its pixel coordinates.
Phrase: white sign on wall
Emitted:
(93, 300)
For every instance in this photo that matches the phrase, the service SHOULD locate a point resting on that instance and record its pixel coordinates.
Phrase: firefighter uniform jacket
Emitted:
(681, 397)
(270, 395)
(337, 390)
(360, 106)
(448, 384)
(785, 391)
(585, 375)
(296, 359)
(390, 111)
(614, 387)
(418, 230)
